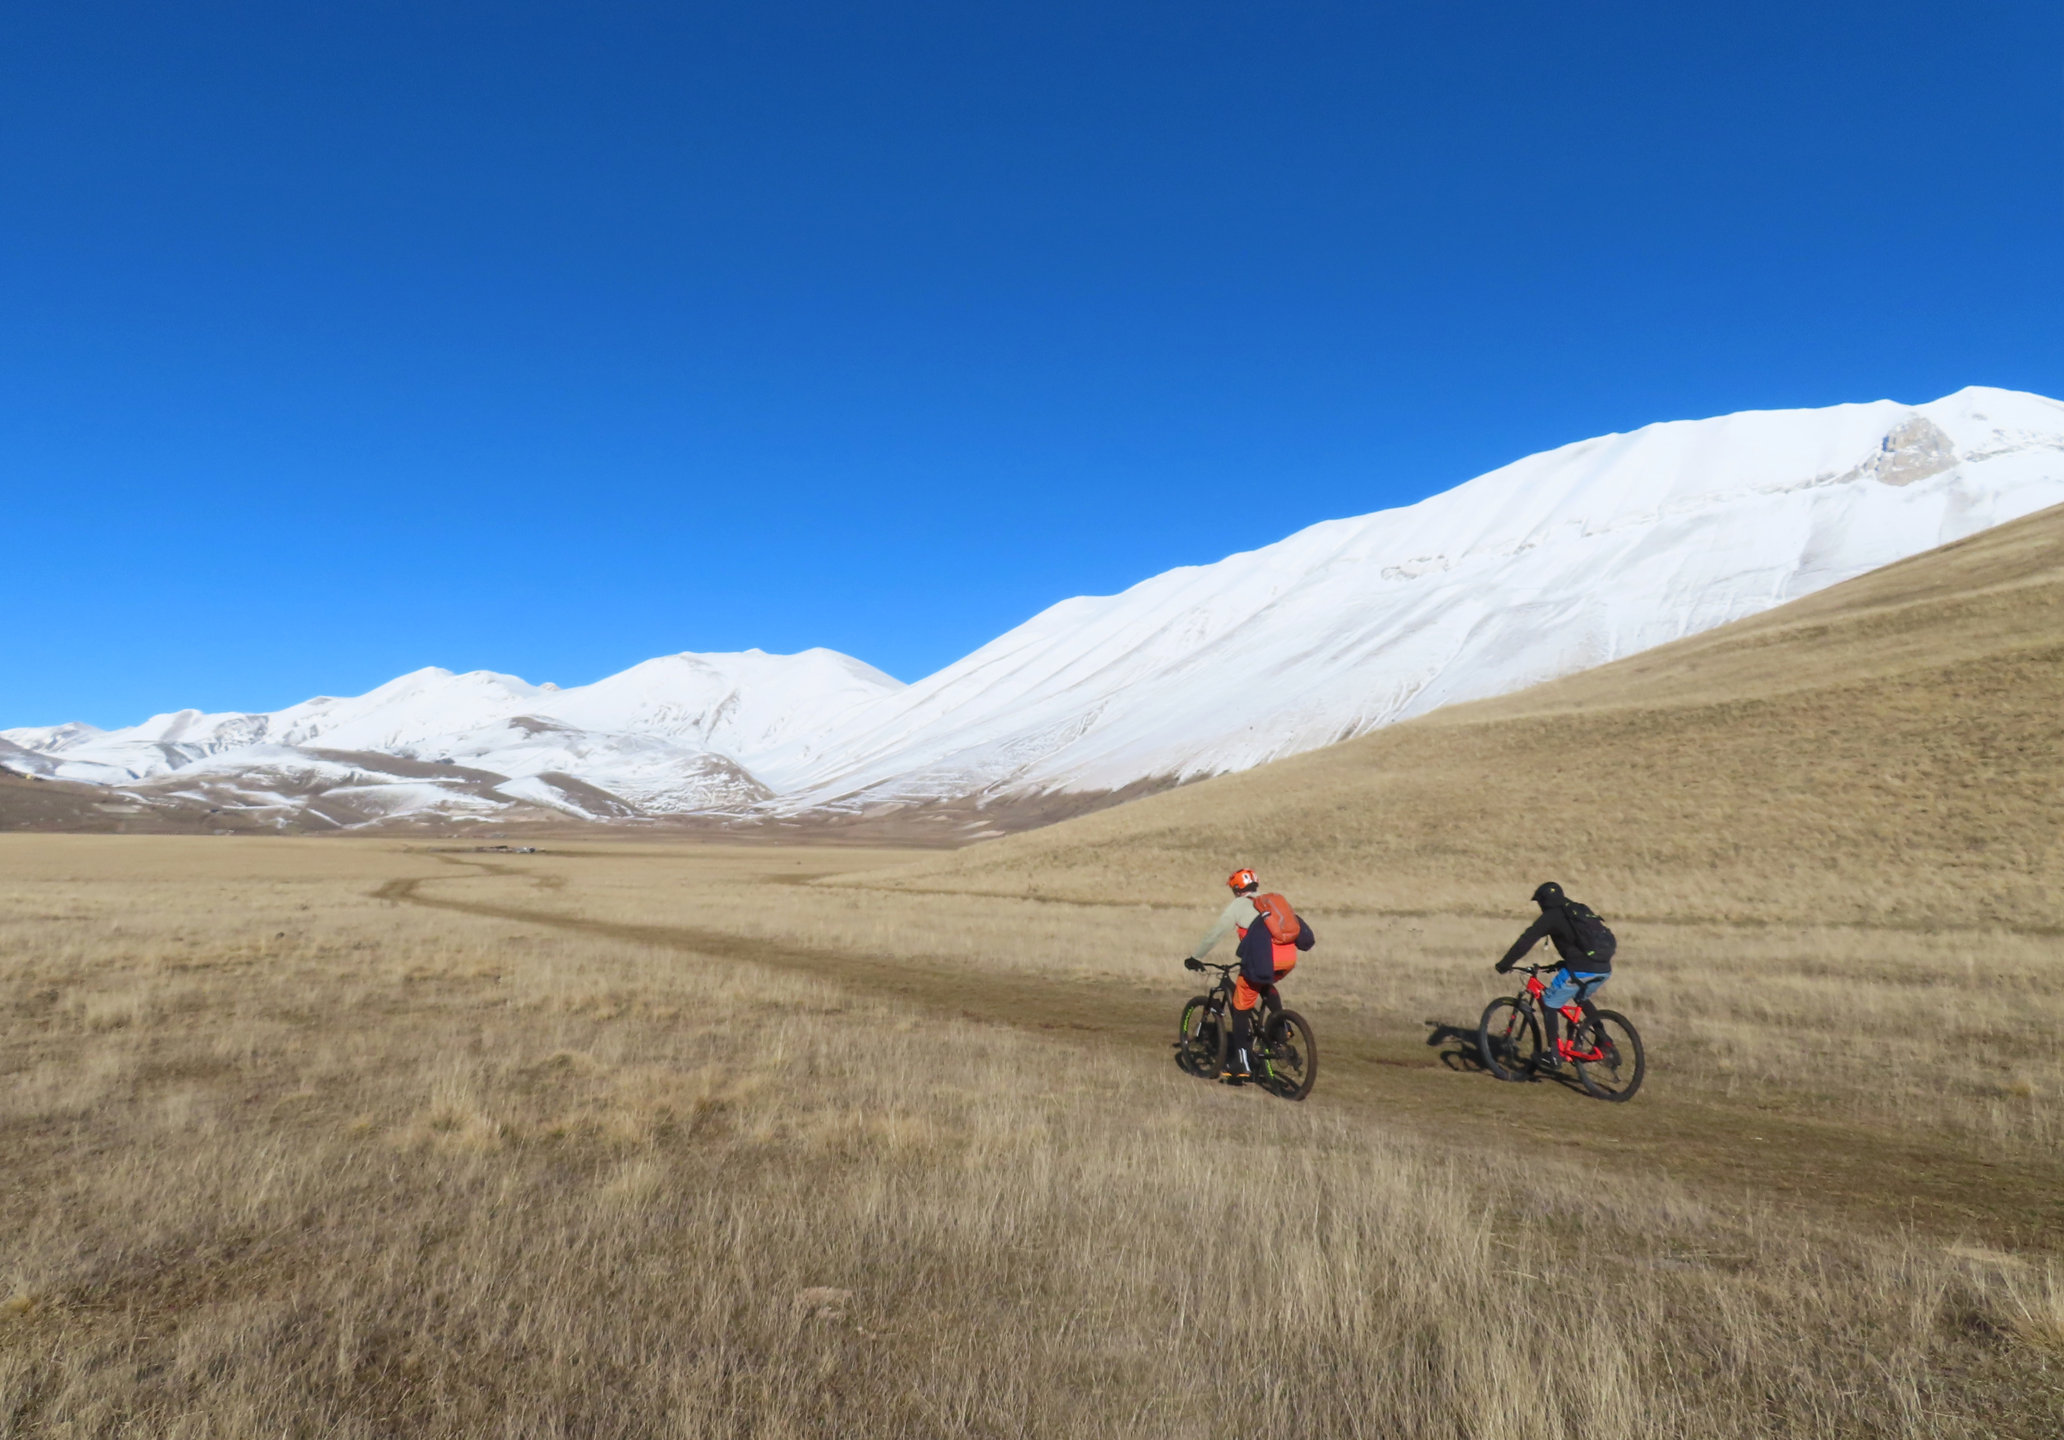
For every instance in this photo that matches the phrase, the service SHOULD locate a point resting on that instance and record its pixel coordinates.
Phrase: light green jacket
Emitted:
(1239, 912)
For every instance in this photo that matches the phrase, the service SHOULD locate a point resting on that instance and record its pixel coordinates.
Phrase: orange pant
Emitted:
(1245, 996)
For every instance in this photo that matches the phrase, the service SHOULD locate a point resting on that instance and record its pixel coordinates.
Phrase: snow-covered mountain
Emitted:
(1557, 562)
(676, 735)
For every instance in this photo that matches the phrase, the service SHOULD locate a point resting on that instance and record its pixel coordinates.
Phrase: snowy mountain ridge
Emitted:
(669, 736)
(1557, 562)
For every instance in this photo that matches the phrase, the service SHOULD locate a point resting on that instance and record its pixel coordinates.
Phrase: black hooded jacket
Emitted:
(1557, 925)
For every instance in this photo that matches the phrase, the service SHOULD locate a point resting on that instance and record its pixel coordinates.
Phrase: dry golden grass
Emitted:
(284, 1158)
(1952, 1032)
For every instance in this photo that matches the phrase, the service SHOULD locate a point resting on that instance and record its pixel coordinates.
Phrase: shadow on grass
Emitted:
(1460, 1042)
(1458, 1052)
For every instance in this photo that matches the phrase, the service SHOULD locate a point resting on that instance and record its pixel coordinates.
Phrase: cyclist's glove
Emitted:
(1191, 962)
(1503, 967)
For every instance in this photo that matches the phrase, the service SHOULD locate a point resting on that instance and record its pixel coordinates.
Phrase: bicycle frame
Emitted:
(1574, 1014)
(1221, 995)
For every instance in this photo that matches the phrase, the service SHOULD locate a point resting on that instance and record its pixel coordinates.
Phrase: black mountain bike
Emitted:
(1602, 1046)
(1284, 1054)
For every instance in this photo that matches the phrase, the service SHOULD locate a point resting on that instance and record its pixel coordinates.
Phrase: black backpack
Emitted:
(1593, 938)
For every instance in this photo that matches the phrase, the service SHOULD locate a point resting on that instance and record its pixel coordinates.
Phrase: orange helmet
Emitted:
(1242, 880)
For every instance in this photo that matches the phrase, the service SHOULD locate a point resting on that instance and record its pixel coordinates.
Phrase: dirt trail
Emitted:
(1891, 1180)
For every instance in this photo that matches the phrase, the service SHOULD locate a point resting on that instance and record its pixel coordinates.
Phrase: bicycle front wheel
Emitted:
(1617, 1065)
(1199, 1038)
(1293, 1056)
(1509, 1039)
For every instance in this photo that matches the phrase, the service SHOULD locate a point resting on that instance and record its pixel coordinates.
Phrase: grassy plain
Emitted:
(370, 1138)
(639, 1140)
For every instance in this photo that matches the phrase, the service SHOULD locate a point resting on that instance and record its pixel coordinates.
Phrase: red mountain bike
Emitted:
(1602, 1046)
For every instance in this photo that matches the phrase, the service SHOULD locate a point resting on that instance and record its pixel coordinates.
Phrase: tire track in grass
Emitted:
(1893, 1180)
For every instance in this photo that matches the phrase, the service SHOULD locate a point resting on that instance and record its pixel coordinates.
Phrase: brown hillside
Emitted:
(1888, 749)
(33, 803)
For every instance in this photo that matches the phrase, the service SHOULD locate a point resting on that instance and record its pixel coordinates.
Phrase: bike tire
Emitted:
(1293, 1056)
(1508, 1039)
(1199, 1038)
(1620, 1074)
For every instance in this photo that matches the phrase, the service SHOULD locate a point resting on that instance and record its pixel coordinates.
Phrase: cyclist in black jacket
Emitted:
(1585, 947)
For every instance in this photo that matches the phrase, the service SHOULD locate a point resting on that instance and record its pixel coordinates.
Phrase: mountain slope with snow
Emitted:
(671, 736)
(1558, 562)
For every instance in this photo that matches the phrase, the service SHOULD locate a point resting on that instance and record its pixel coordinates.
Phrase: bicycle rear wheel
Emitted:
(1292, 1059)
(1199, 1038)
(1617, 1072)
(1509, 1039)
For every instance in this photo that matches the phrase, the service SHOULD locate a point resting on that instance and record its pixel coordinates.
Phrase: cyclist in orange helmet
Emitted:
(1271, 934)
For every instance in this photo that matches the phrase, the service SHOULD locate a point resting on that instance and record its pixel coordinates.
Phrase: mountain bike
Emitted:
(1283, 1052)
(1601, 1046)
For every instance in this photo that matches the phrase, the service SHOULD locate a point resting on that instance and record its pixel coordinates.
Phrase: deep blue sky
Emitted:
(339, 339)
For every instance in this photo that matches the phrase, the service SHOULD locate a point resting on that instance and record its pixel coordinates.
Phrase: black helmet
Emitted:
(1547, 893)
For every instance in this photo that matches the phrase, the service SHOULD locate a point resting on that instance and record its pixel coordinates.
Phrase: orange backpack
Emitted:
(1283, 924)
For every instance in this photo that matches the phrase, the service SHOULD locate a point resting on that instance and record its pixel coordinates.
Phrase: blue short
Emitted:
(1571, 987)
